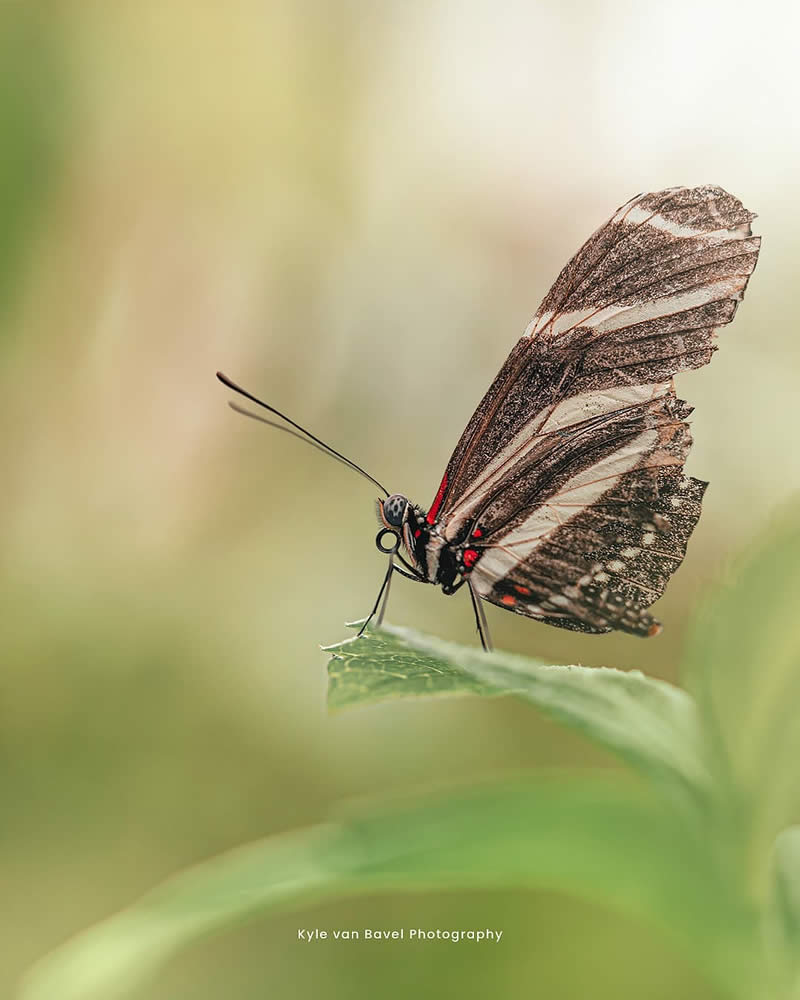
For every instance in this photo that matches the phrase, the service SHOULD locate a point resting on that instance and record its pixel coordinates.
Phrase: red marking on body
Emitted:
(437, 503)
(477, 533)
(418, 532)
(469, 558)
(508, 600)
(525, 591)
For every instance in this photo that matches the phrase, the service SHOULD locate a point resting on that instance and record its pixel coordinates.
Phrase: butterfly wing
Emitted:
(568, 478)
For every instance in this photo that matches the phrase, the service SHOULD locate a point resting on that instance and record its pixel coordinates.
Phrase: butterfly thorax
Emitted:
(441, 561)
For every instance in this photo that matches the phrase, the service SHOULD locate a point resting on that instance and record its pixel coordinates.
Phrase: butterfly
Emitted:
(565, 499)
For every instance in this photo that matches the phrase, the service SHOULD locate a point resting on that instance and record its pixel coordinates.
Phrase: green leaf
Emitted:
(599, 839)
(784, 930)
(380, 665)
(649, 723)
(743, 665)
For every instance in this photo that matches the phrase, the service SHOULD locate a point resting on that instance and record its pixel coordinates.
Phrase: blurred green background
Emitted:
(354, 209)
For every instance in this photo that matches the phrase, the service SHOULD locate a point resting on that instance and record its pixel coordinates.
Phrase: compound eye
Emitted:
(394, 510)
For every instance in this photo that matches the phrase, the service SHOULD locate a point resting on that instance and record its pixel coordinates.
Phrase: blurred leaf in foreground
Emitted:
(743, 666)
(597, 838)
(786, 907)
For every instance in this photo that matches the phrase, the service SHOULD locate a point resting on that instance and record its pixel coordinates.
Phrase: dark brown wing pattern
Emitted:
(571, 467)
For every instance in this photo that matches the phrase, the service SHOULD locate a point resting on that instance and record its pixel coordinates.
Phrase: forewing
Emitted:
(581, 429)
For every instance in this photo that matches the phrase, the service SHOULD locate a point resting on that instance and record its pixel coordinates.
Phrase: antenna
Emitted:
(309, 438)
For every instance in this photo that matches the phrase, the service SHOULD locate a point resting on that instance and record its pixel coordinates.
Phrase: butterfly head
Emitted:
(406, 522)
(393, 511)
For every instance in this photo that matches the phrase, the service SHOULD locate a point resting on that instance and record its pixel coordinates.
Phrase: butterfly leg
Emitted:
(480, 620)
(414, 573)
(389, 575)
(384, 589)
(416, 577)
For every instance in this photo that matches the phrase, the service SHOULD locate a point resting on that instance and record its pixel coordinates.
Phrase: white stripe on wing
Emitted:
(570, 412)
(577, 494)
